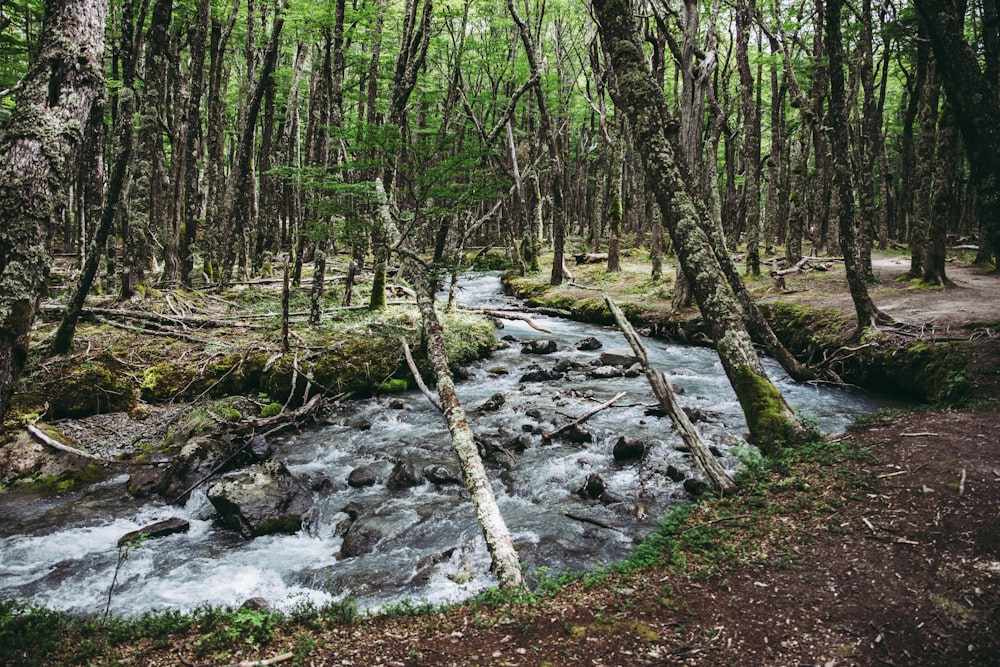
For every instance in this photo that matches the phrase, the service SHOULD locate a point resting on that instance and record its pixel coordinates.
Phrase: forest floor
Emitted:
(880, 546)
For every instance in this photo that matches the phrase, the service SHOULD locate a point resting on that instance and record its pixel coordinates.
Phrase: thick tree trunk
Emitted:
(751, 136)
(771, 421)
(974, 101)
(36, 159)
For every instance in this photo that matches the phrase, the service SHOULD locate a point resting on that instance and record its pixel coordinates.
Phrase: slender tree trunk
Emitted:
(751, 136)
(867, 314)
(37, 145)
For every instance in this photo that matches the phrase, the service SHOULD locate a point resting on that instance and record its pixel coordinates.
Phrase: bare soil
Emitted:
(885, 551)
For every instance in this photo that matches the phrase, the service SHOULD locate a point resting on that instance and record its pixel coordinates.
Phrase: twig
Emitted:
(585, 416)
(506, 315)
(263, 663)
(961, 484)
(917, 435)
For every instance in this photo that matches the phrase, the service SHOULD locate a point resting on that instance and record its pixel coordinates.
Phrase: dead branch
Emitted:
(717, 476)
(587, 519)
(508, 315)
(585, 416)
(150, 332)
(55, 444)
(264, 663)
(417, 378)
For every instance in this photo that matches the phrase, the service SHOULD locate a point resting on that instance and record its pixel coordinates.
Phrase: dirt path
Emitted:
(972, 298)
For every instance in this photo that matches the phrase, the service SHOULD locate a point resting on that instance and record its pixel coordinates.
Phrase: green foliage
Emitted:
(271, 409)
(407, 607)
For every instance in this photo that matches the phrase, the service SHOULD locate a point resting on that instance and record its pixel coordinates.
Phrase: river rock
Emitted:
(404, 475)
(361, 477)
(539, 347)
(589, 344)
(259, 449)
(359, 424)
(263, 499)
(577, 434)
(618, 356)
(695, 487)
(158, 529)
(144, 482)
(362, 537)
(540, 375)
(606, 372)
(437, 473)
(674, 474)
(629, 449)
(566, 365)
(199, 458)
(593, 488)
(521, 442)
(493, 403)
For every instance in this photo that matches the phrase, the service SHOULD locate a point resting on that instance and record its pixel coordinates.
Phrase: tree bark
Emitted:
(771, 421)
(36, 158)
(974, 101)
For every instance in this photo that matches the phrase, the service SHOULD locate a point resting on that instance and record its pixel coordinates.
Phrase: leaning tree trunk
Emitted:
(771, 421)
(36, 158)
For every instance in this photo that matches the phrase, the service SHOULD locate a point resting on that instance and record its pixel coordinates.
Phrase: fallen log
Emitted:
(590, 257)
(55, 444)
(717, 476)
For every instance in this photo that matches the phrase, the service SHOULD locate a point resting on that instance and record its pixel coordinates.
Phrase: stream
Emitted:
(60, 550)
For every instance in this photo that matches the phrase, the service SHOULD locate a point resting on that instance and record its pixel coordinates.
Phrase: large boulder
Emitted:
(437, 473)
(263, 499)
(589, 344)
(200, 458)
(618, 356)
(539, 347)
(629, 449)
(404, 475)
(361, 477)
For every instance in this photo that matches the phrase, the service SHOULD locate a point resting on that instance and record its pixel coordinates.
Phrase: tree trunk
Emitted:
(751, 136)
(867, 314)
(771, 421)
(506, 564)
(36, 158)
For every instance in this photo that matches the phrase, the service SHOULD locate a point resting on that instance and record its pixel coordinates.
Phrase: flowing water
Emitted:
(60, 551)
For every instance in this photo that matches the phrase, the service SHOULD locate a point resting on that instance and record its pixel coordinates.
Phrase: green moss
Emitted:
(393, 386)
(164, 381)
(95, 386)
(270, 410)
(68, 480)
(285, 525)
(770, 427)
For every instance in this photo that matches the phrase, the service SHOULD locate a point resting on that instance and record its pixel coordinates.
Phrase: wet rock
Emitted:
(606, 372)
(463, 373)
(509, 339)
(497, 370)
(593, 488)
(255, 604)
(633, 372)
(576, 434)
(618, 356)
(259, 449)
(539, 347)
(158, 529)
(361, 477)
(520, 443)
(566, 365)
(534, 413)
(200, 458)
(404, 475)
(263, 499)
(696, 487)
(360, 539)
(589, 344)
(493, 403)
(144, 482)
(698, 415)
(611, 498)
(398, 404)
(627, 450)
(674, 474)
(359, 424)
(540, 375)
(441, 474)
